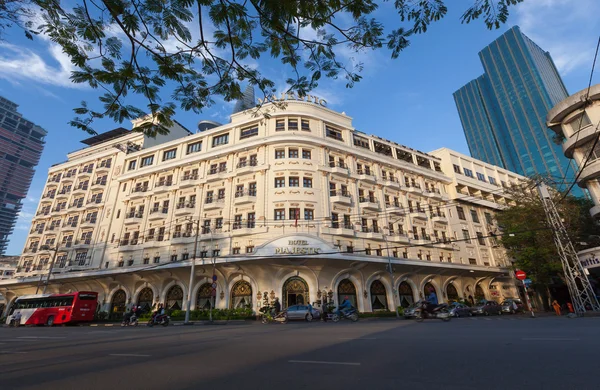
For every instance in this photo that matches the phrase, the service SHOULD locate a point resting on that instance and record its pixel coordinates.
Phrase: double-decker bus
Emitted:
(55, 309)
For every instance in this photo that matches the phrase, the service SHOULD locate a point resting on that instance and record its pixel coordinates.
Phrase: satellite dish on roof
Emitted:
(204, 125)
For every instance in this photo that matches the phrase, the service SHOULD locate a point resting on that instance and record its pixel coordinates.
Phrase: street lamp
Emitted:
(391, 271)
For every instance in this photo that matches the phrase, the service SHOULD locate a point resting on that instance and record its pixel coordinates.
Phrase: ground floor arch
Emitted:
(295, 292)
(118, 304)
(378, 296)
(174, 298)
(452, 293)
(405, 294)
(145, 299)
(241, 295)
(479, 294)
(347, 289)
(204, 297)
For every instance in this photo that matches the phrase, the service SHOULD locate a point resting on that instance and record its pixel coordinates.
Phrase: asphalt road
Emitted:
(480, 353)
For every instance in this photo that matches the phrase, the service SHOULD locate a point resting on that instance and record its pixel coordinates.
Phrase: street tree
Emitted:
(200, 50)
(532, 245)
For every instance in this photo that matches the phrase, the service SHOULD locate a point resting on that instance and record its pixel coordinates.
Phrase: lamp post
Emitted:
(192, 274)
(391, 271)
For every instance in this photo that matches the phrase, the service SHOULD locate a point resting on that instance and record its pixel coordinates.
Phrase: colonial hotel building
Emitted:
(296, 205)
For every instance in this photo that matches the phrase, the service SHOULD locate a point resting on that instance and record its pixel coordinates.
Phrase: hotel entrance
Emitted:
(295, 292)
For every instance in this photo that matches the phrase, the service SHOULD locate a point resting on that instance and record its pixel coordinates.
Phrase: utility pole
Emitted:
(391, 271)
(192, 274)
(579, 286)
(49, 273)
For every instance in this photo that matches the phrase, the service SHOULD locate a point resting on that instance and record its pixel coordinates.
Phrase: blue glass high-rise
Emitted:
(503, 112)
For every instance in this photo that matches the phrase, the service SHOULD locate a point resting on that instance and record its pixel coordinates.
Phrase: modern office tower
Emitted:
(21, 145)
(503, 112)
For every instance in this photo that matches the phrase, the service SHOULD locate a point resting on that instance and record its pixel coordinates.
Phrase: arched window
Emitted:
(452, 293)
(378, 296)
(174, 299)
(117, 305)
(203, 299)
(241, 295)
(479, 294)
(405, 293)
(346, 289)
(295, 292)
(145, 299)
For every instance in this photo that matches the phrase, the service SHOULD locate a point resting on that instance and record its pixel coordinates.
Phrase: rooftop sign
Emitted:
(292, 96)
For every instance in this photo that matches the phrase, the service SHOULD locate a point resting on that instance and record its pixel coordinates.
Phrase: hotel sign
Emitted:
(295, 245)
(292, 96)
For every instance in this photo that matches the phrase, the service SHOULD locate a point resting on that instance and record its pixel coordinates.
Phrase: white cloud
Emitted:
(20, 64)
(567, 29)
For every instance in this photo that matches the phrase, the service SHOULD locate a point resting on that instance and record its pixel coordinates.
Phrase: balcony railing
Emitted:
(337, 164)
(339, 193)
(370, 199)
(239, 194)
(243, 164)
(190, 177)
(140, 189)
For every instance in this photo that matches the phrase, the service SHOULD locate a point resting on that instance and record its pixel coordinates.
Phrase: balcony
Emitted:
(103, 168)
(188, 181)
(69, 226)
(341, 197)
(369, 232)
(131, 218)
(398, 237)
(138, 192)
(63, 194)
(418, 213)
(439, 217)
(394, 209)
(433, 193)
(49, 195)
(391, 181)
(82, 243)
(182, 237)
(366, 176)
(338, 167)
(88, 222)
(591, 171)
(421, 239)
(185, 208)
(246, 166)
(35, 232)
(368, 203)
(99, 184)
(158, 213)
(244, 197)
(339, 229)
(162, 186)
(415, 188)
(93, 202)
(80, 190)
(214, 203)
(129, 245)
(59, 210)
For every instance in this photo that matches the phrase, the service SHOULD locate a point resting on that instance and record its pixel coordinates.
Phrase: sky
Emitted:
(407, 100)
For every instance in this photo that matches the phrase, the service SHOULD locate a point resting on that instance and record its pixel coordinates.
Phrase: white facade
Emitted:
(296, 204)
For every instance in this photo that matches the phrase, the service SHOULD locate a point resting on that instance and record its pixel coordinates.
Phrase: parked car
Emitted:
(512, 306)
(458, 309)
(486, 308)
(409, 312)
(302, 312)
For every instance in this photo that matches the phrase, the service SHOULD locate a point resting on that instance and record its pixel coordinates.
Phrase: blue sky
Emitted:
(407, 100)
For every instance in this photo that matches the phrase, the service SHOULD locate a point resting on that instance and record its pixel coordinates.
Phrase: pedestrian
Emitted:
(570, 307)
(556, 307)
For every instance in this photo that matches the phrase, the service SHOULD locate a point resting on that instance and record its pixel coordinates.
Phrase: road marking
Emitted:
(15, 341)
(129, 355)
(40, 337)
(550, 339)
(11, 352)
(361, 338)
(321, 362)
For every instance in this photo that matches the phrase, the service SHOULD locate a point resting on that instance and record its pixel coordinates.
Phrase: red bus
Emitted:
(55, 309)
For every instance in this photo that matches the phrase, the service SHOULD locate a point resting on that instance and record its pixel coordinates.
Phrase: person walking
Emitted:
(556, 307)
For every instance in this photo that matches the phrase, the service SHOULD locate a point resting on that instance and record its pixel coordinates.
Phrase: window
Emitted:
(473, 261)
(493, 180)
(333, 133)
(169, 154)
(468, 172)
(279, 214)
(248, 132)
(474, 216)
(579, 122)
(219, 223)
(194, 147)
(335, 220)
(591, 154)
(309, 214)
(213, 169)
(237, 222)
(223, 167)
(221, 193)
(294, 181)
(249, 249)
(361, 142)
(466, 236)
(294, 213)
(131, 165)
(292, 124)
(251, 220)
(173, 257)
(456, 168)
(157, 259)
(307, 182)
(235, 251)
(480, 177)
(305, 125)
(306, 154)
(280, 153)
(279, 182)
(480, 238)
(220, 140)
(146, 161)
(293, 153)
(252, 189)
(488, 218)
(461, 213)
(280, 125)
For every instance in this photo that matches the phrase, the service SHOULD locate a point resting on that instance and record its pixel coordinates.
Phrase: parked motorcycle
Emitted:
(132, 321)
(350, 314)
(439, 312)
(268, 316)
(159, 320)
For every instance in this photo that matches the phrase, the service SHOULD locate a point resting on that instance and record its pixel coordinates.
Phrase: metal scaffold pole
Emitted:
(582, 293)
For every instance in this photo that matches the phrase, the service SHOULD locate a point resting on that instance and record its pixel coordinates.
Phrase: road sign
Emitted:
(214, 278)
(527, 282)
(214, 285)
(521, 275)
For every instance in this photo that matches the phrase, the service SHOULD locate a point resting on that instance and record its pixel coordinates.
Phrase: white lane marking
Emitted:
(128, 355)
(11, 352)
(549, 339)
(15, 341)
(321, 362)
(40, 337)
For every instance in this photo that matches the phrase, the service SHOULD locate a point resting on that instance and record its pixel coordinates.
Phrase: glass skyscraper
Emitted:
(503, 112)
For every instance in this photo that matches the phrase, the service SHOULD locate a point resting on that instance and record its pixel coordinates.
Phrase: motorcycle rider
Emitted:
(344, 307)
(277, 306)
(159, 313)
(432, 301)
